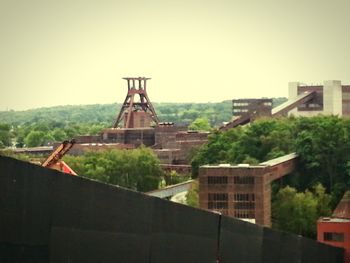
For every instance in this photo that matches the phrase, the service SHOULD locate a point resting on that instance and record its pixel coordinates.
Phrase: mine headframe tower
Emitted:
(133, 109)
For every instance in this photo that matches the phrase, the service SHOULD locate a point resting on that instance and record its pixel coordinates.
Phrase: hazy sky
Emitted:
(76, 51)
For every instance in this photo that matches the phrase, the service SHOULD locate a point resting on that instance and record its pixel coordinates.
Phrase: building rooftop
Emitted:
(343, 208)
(334, 220)
(279, 160)
(271, 162)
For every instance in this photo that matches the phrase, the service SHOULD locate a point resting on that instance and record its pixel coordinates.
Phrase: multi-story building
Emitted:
(254, 108)
(242, 191)
(330, 98)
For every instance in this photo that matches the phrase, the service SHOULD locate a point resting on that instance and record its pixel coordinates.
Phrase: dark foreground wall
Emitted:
(47, 216)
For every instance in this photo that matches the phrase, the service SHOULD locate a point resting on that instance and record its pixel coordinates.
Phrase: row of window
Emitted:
(240, 110)
(244, 205)
(236, 180)
(243, 180)
(236, 197)
(244, 197)
(217, 205)
(329, 236)
(244, 104)
(217, 179)
(237, 206)
(244, 214)
(218, 197)
(240, 104)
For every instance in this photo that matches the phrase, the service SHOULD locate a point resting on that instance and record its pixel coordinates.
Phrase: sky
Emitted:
(77, 51)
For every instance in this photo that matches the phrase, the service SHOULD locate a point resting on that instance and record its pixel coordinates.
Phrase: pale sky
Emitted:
(77, 51)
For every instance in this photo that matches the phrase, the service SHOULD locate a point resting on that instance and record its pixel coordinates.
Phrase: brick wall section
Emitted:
(88, 139)
(242, 191)
(135, 136)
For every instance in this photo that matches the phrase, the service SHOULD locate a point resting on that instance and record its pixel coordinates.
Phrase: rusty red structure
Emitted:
(136, 113)
(335, 230)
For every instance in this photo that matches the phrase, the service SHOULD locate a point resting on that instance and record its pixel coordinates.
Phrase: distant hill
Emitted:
(185, 113)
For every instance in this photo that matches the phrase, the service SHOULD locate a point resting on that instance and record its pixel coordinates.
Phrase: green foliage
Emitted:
(322, 143)
(10, 153)
(175, 178)
(200, 124)
(261, 141)
(5, 135)
(298, 212)
(34, 138)
(65, 122)
(323, 146)
(192, 196)
(137, 169)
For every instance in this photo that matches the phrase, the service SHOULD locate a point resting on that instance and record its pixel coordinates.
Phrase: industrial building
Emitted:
(242, 191)
(137, 124)
(329, 98)
(335, 230)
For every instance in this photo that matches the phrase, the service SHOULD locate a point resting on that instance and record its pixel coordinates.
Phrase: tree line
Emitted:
(37, 127)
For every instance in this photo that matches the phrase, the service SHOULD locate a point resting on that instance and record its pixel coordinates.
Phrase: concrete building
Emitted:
(335, 230)
(242, 191)
(254, 108)
(331, 98)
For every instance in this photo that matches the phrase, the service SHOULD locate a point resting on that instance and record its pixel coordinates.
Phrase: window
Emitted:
(243, 180)
(244, 197)
(217, 180)
(329, 236)
(244, 214)
(217, 201)
(218, 197)
(240, 104)
(244, 205)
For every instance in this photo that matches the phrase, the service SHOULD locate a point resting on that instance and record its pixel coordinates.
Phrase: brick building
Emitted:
(335, 230)
(254, 108)
(242, 191)
(331, 98)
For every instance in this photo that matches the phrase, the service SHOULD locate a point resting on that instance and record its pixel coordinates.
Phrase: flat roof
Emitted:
(279, 160)
(334, 220)
(271, 162)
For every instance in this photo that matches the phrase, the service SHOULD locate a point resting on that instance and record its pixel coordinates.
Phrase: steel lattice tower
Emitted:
(132, 106)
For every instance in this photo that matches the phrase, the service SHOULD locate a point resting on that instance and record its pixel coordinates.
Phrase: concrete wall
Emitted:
(332, 97)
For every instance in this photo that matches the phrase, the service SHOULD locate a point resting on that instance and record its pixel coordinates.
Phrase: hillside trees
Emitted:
(200, 124)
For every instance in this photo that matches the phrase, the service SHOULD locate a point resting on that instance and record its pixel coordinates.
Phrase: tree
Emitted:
(297, 212)
(137, 169)
(323, 144)
(34, 138)
(5, 135)
(192, 196)
(59, 135)
(200, 124)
